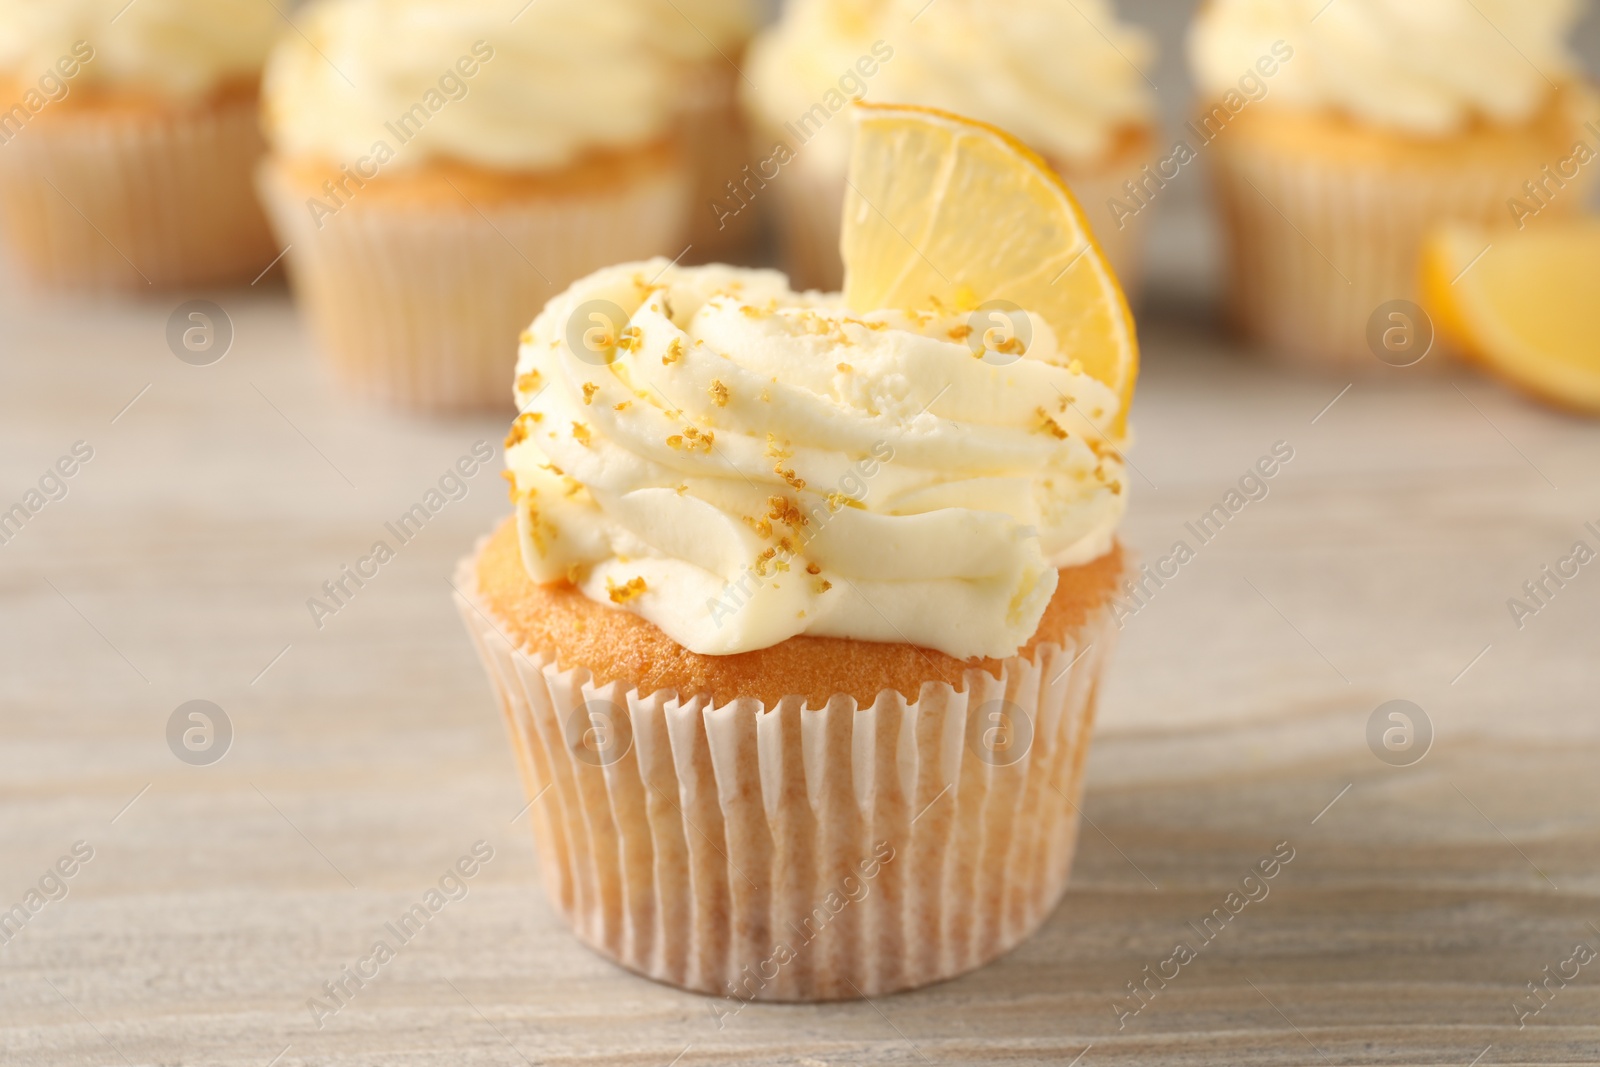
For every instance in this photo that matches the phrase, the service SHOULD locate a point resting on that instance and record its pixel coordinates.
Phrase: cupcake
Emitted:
(1340, 135)
(128, 137)
(800, 617)
(1063, 78)
(439, 170)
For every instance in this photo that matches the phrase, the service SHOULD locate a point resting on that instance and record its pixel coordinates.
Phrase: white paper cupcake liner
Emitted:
(1316, 248)
(112, 200)
(420, 305)
(800, 853)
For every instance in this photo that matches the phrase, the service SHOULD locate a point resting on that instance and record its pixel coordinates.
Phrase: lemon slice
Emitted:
(1527, 309)
(943, 210)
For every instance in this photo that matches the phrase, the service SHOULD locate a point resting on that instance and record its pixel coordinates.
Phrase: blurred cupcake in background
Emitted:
(711, 37)
(440, 169)
(1066, 79)
(1341, 135)
(822, 52)
(128, 137)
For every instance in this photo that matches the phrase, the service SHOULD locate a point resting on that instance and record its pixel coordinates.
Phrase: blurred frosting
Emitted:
(754, 463)
(1064, 77)
(181, 48)
(1423, 66)
(812, 51)
(551, 80)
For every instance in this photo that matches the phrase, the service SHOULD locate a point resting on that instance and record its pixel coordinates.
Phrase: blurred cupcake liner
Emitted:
(1319, 241)
(104, 197)
(716, 141)
(417, 301)
(809, 203)
(795, 853)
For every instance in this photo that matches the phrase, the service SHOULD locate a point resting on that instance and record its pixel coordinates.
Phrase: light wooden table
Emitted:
(367, 755)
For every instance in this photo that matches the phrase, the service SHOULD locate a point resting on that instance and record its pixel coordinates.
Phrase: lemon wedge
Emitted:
(1525, 305)
(943, 211)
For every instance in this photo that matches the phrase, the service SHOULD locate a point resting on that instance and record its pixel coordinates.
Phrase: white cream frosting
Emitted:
(548, 84)
(755, 463)
(1423, 66)
(1065, 78)
(181, 48)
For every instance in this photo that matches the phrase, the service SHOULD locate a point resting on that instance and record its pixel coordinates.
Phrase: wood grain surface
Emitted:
(367, 756)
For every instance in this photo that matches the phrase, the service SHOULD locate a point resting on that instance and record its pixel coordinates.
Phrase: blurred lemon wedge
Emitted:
(946, 211)
(1527, 309)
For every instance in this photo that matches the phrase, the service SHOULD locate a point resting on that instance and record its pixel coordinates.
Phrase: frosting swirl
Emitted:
(560, 79)
(1065, 78)
(1425, 68)
(754, 463)
(179, 48)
